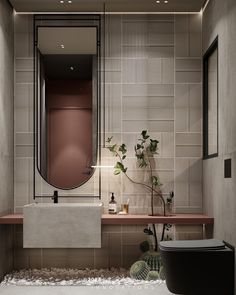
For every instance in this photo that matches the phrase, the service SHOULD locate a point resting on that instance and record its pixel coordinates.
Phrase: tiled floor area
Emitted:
(112, 290)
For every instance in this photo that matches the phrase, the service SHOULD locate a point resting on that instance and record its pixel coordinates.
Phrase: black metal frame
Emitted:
(78, 18)
(206, 56)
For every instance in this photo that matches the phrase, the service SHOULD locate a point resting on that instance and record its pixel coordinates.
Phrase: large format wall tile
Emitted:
(153, 82)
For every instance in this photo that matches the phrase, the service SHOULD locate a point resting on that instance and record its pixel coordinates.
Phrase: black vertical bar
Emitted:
(206, 56)
(35, 71)
(99, 108)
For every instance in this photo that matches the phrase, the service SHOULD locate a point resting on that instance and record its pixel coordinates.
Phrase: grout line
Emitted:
(110, 12)
(144, 119)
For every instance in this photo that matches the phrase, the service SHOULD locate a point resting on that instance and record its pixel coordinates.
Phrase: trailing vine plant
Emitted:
(145, 149)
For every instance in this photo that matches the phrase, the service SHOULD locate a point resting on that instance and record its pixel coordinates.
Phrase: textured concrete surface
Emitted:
(62, 225)
(219, 193)
(6, 106)
(6, 131)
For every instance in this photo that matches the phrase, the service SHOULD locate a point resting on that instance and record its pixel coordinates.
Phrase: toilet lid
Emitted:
(197, 245)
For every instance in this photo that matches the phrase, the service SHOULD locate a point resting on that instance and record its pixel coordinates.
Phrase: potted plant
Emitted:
(145, 149)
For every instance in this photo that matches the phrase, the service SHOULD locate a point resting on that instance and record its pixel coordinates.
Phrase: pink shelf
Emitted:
(11, 219)
(131, 219)
(144, 219)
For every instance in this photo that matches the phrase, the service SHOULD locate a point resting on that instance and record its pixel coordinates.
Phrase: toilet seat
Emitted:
(192, 245)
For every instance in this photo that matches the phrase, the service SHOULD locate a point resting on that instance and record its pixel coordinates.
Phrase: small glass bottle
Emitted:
(169, 204)
(112, 206)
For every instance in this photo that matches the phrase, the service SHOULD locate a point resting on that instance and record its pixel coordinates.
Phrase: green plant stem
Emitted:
(163, 232)
(152, 194)
(145, 185)
(155, 236)
(151, 189)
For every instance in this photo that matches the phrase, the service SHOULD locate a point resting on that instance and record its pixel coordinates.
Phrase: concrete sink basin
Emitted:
(62, 225)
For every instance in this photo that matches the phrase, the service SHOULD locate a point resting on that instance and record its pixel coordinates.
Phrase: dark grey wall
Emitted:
(6, 131)
(219, 193)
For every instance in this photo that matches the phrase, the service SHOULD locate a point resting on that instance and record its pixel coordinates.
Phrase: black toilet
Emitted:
(198, 267)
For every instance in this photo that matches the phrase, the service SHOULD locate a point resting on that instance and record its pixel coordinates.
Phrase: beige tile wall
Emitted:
(6, 131)
(153, 81)
(120, 248)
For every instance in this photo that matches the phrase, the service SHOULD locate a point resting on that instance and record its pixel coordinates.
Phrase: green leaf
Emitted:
(109, 139)
(154, 140)
(155, 180)
(123, 157)
(119, 166)
(143, 163)
(116, 172)
(122, 149)
(112, 148)
(153, 146)
(144, 134)
(140, 155)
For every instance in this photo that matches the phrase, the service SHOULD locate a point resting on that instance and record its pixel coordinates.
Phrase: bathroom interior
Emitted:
(118, 145)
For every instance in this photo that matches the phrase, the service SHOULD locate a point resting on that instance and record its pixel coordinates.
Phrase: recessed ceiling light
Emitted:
(166, 1)
(69, 1)
(61, 1)
(158, 1)
(62, 46)
(72, 68)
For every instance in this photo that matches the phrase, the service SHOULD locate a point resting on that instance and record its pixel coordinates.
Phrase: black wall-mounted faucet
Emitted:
(55, 197)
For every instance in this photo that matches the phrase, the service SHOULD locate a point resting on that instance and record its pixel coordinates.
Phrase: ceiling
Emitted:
(107, 5)
(67, 40)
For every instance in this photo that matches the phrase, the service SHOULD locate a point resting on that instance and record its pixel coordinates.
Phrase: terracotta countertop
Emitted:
(11, 219)
(131, 219)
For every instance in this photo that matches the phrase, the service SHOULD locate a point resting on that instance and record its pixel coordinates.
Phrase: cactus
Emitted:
(153, 275)
(153, 260)
(139, 270)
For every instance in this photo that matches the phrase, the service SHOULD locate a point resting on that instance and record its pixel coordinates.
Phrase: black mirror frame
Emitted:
(206, 57)
(97, 19)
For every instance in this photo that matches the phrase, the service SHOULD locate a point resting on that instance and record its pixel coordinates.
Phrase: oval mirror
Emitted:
(66, 104)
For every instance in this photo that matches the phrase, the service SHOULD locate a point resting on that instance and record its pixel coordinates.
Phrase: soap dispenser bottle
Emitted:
(112, 207)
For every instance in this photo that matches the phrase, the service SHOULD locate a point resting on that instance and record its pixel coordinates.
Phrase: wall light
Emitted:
(62, 46)
(72, 68)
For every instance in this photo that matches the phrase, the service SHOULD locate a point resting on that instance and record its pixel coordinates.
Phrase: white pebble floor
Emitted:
(57, 281)
(74, 277)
